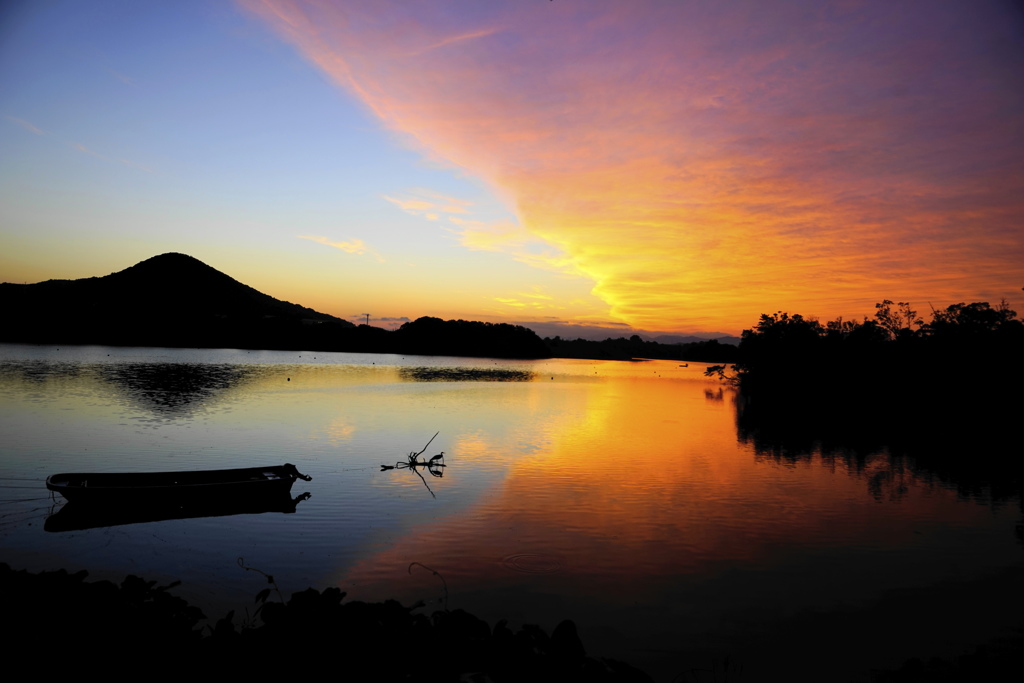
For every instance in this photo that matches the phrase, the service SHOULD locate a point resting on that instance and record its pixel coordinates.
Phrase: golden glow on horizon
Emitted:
(698, 170)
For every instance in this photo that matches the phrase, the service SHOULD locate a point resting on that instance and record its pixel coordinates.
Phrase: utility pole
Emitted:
(367, 319)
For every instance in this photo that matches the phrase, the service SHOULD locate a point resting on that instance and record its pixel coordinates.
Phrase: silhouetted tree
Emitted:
(973, 319)
(897, 322)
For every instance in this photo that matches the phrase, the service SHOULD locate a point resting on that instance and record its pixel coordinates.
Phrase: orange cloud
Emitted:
(704, 163)
(353, 246)
(534, 302)
(413, 206)
(429, 204)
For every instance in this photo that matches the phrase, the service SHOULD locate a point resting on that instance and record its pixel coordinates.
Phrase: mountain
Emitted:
(168, 300)
(179, 301)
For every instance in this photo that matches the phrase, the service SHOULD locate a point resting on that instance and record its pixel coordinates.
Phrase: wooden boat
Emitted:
(161, 488)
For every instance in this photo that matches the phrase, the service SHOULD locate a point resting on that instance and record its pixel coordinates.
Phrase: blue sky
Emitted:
(132, 129)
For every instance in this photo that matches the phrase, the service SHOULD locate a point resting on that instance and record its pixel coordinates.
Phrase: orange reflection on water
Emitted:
(640, 483)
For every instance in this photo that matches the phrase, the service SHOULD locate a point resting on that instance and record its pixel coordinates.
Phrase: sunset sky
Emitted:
(670, 167)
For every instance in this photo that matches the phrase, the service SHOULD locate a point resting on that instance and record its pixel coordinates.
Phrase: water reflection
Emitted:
(977, 460)
(35, 372)
(169, 389)
(464, 374)
(717, 395)
(163, 389)
(672, 521)
(434, 465)
(636, 499)
(78, 516)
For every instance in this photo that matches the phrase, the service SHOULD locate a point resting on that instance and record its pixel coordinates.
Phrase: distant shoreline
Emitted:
(609, 349)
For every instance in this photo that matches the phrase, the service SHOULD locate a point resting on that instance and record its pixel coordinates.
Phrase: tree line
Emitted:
(948, 385)
(708, 351)
(784, 349)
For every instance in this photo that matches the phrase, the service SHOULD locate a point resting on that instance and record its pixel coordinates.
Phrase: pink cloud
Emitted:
(26, 125)
(705, 162)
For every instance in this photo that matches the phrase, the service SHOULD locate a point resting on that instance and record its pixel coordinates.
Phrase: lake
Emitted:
(617, 494)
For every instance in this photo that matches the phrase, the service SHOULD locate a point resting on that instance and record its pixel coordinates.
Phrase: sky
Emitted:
(608, 167)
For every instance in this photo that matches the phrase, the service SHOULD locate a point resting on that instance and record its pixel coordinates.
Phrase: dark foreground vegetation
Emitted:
(138, 626)
(141, 627)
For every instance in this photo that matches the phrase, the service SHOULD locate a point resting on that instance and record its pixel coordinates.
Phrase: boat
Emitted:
(162, 488)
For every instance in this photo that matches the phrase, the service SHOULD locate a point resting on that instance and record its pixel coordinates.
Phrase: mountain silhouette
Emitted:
(167, 300)
(179, 301)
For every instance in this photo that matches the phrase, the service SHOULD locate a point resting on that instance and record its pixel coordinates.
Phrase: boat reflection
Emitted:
(77, 516)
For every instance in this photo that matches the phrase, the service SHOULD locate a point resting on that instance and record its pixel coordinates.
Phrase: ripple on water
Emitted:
(532, 563)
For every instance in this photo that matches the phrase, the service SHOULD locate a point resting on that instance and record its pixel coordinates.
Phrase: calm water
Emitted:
(616, 494)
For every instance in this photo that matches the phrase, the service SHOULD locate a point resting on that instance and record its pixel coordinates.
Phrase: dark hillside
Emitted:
(167, 300)
(165, 285)
(178, 282)
(433, 336)
(179, 301)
